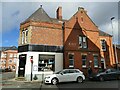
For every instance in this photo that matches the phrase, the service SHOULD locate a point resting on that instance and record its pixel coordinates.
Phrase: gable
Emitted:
(83, 19)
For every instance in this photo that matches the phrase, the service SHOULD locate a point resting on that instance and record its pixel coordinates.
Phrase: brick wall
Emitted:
(43, 33)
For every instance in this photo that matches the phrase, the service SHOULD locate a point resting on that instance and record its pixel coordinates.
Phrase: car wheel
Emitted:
(79, 79)
(101, 78)
(54, 81)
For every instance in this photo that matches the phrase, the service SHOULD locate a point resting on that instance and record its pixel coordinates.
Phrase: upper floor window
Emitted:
(10, 61)
(11, 55)
(24, 36)
(83, 41)
(3, 55)
(15, 55)
(103, 44)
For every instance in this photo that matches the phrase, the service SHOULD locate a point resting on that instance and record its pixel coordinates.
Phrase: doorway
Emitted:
(22, 63)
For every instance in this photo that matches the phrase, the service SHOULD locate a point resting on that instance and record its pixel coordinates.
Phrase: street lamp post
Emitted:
(116, 58)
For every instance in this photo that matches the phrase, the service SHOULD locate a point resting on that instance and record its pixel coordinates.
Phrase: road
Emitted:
(87, 84)
(12, 84)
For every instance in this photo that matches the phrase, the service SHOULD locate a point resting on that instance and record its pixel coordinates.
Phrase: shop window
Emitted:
(82, 42)
(103, 44)
(71, 60)
(84, 60)
(96, 61)
(46, 63)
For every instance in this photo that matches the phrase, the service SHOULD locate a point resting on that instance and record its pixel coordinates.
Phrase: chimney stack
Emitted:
(59, 13)
(82, 9)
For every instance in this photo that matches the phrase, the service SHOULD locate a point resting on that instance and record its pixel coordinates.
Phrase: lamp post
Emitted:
(116, 58)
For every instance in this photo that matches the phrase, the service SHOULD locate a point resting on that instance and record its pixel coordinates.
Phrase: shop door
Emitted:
(22, 62)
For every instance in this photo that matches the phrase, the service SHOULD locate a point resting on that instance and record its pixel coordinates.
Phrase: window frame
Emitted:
(103, 44)
(44, 65)
(83, 42)
(71, 59)
(95, 61)
(84, 66)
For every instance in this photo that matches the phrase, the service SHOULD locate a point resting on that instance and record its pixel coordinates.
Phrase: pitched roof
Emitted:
(101, 33)
(39, 15)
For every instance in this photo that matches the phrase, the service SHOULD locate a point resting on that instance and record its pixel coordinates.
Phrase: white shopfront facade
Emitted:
(44, 63)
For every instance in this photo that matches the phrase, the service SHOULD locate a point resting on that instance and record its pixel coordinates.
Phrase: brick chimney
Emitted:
(59, 13)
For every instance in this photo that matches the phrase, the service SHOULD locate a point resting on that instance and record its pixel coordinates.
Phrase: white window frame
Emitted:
(23, 37)
(71, 66)
(84, 66)
(26, 36)
(97, 61)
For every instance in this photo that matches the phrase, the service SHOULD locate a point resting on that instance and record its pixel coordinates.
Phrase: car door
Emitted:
(110, 74)
(106, 75)
(114, 73)
(72, 75)
(63, 76)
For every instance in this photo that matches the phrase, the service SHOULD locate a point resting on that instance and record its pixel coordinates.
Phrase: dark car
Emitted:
(108, 74)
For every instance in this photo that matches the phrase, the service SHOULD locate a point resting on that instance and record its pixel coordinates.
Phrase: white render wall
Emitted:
(40, 74)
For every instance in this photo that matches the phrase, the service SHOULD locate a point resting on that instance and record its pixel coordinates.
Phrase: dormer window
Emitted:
(103, 45)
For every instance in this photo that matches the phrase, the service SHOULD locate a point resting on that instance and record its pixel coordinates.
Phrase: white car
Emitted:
(65, 75)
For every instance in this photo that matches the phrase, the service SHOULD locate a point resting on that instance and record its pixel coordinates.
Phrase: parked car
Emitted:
(108, 74)
(65, 75)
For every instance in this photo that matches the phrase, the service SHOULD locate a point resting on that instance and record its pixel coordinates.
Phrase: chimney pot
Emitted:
(80, 8)
(59, 13)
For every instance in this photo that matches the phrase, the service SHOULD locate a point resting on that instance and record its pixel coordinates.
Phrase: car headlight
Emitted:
(47, 77)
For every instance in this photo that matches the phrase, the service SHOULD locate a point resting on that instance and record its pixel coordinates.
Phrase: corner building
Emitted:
(47, 45)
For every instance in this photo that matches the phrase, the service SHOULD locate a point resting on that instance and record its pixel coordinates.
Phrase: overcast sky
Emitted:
(13, 13)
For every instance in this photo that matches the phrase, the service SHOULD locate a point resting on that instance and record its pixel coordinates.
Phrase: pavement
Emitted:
(13, 83)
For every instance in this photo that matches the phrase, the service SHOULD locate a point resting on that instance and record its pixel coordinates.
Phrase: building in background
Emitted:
(8, 58)
(47, 45)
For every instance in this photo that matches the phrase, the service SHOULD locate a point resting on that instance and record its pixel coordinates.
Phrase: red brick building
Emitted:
(85, 45)
(73, 43)
(8, 58)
